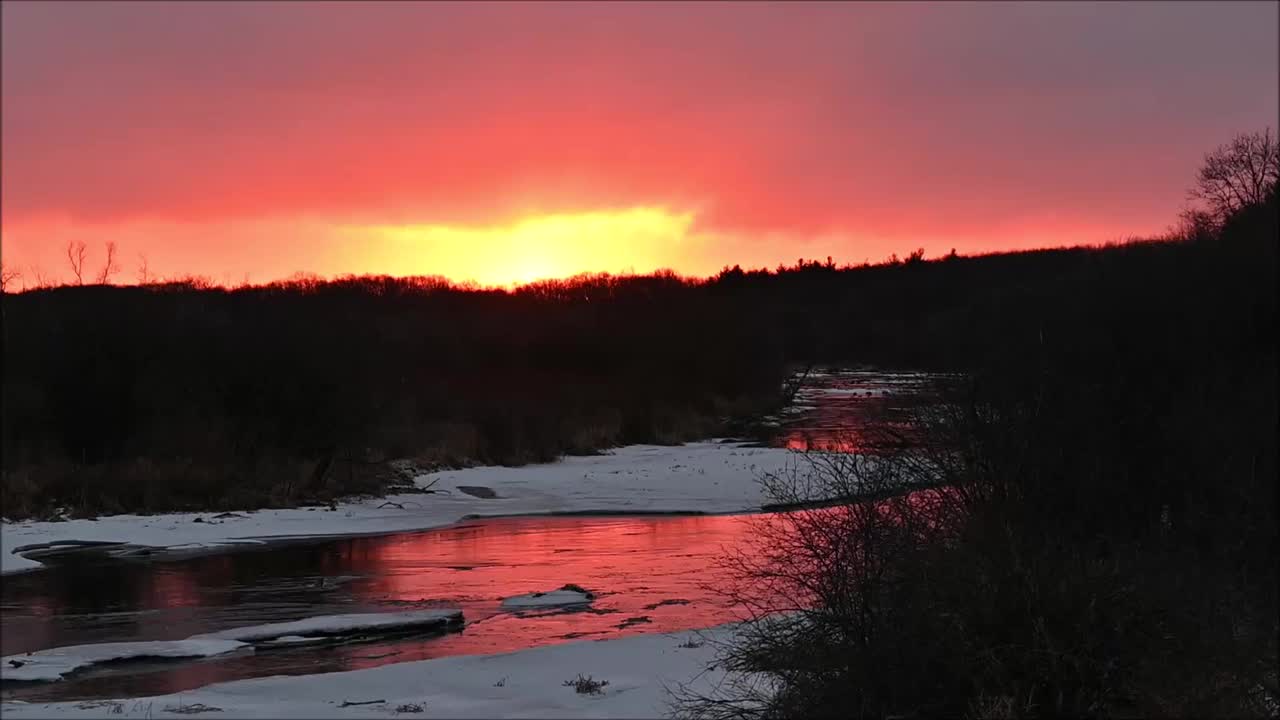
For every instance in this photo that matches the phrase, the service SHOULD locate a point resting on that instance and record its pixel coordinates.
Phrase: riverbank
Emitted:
(710, 477)
(629, 678)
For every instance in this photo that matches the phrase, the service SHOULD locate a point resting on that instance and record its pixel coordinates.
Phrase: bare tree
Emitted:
(1238, 174)
(110, 267)
(76, 253)
(38, 278)
(8, 275)
(144, 269)
(1195, 224)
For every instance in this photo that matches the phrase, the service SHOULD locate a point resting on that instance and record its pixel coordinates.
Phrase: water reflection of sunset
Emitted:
(650, 574)
(470, 562)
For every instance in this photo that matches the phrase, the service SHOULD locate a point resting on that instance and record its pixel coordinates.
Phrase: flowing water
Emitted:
(650, 574)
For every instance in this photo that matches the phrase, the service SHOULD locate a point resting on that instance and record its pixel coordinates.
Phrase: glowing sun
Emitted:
(639, 239)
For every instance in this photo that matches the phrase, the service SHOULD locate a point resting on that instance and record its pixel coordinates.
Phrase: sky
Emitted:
(508, 142)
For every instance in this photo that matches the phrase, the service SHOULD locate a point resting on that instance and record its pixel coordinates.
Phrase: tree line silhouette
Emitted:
(187, 395)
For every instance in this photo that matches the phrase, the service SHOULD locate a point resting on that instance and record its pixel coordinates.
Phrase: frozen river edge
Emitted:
(637, 673)
(707, 477)
(710, 477)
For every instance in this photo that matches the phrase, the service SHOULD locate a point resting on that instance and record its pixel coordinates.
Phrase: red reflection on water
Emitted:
(849, 411)
(650, 574)
(500, 556)
(801, 441)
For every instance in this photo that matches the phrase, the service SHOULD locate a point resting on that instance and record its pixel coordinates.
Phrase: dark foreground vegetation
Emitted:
(1098, 536)
(177, 396)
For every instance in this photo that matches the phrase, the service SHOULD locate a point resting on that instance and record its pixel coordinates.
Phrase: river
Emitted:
(650, 574)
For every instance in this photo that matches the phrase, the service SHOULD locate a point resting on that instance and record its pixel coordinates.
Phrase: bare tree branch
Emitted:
(110, 267)
(1238, 174)
(144, 270)
(76, 252)
(8, 275)
(38, 278)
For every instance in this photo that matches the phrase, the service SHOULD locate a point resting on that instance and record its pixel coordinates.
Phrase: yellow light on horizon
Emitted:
(640, 239)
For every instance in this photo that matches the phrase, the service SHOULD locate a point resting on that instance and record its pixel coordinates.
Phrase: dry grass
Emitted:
(586, 685)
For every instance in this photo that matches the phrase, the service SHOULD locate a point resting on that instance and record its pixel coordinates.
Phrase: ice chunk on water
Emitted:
(332, 625)
(567, 595)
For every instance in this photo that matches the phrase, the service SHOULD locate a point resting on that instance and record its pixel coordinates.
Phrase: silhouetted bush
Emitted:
(1097, 535)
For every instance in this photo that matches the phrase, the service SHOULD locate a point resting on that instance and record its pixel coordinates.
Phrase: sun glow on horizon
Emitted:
(638, 239)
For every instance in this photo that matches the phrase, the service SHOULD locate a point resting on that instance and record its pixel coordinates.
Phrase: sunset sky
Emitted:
(503, 143)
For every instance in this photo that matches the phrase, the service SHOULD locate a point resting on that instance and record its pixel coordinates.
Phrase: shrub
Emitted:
(1085, 525)
(586, 685)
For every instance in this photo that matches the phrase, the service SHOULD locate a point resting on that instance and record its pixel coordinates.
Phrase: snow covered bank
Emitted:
(706, 476)
(51, 665)
(528, 683)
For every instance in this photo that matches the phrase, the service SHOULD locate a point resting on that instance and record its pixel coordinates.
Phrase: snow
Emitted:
(329, 625)
(567, 595)
(527, 683)
(293, 640)
(51, 665)
(711, 476)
